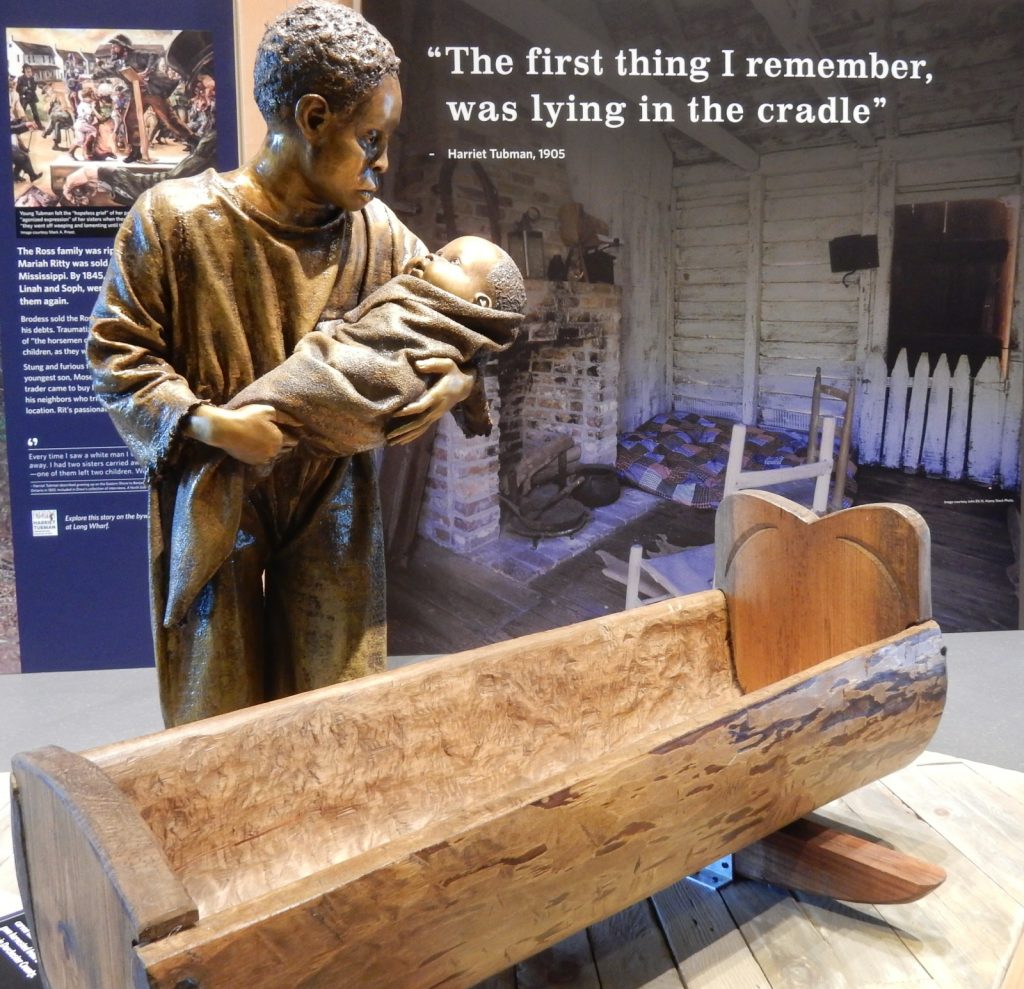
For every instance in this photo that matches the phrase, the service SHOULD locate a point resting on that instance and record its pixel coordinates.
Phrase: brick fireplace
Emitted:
(561, 377)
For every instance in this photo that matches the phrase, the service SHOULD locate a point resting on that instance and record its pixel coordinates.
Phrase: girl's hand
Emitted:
(249, 434)
(451, 387)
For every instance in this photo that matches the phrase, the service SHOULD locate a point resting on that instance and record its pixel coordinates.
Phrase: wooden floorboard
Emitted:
(443, 602)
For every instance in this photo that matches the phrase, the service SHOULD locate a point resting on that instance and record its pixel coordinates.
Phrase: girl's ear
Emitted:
(481, 299)
(311, 113)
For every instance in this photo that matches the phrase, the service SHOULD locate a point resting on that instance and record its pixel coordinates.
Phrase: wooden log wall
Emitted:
(757, 307)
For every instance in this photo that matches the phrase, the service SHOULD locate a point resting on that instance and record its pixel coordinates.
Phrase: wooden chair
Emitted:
(844, 398)
(819, 468)
(692, 569)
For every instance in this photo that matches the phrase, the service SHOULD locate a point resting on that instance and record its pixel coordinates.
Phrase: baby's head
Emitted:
(475, 270)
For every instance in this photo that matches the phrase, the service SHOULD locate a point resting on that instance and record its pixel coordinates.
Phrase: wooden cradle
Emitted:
(430, 826)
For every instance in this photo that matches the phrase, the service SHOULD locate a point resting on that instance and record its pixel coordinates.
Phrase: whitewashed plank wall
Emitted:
(712, 232)
(757, 307)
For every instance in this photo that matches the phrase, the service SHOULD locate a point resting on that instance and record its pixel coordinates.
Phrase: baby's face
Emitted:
(460, 267)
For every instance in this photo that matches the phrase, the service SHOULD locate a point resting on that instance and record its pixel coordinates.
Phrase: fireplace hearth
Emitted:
(560, 378)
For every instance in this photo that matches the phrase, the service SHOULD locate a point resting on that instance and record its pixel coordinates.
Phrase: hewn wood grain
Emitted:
(590, 841)
(960, 948)
(390, 827)
(247, 803)
(834, 583)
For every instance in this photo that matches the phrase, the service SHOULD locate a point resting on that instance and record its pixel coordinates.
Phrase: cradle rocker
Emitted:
(431, 826)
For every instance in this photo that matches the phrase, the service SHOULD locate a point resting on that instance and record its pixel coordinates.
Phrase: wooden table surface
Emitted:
(964, 816)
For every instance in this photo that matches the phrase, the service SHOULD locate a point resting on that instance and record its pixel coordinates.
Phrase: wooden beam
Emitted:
(824, 861)
(797, 41)
(752, 318)
(538, 21)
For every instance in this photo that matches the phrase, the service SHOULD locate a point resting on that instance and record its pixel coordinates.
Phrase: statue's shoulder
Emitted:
(181, 196)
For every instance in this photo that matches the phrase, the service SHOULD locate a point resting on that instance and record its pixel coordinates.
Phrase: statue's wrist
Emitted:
(203, 424)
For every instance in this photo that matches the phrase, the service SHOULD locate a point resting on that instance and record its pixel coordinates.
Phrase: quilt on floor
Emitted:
(682, 455)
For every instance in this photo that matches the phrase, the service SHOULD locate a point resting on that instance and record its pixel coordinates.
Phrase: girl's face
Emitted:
(349, 154)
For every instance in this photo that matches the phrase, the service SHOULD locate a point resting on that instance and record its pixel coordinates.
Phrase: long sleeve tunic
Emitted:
(205, 294)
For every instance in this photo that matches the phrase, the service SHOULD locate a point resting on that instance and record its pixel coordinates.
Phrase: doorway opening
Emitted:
(952, 281)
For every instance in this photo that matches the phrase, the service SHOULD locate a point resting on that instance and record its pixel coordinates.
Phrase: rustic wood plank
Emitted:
(503, 980)
(896, 412)
(709, 950)
(960, 933)
(95, 881)
(933, 451)
(630, 950)
(1008, 780)
(792, 954)
(1014, 976)
(868, 951)
(569, 963)
(979, 818)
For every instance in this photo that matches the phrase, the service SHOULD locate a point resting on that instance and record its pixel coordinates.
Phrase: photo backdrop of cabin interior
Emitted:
(722, 299)
(718, 301)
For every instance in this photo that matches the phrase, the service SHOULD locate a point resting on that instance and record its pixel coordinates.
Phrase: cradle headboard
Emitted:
(802, 589)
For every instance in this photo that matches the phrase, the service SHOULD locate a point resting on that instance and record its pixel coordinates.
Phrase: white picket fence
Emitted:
(949, 423)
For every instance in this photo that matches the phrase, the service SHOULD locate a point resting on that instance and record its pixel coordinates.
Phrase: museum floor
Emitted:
(962, 809)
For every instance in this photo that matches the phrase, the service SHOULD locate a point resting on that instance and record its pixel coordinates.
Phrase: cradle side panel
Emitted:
(248, 802)
(801, 589)
(463, 900)
(93, 879)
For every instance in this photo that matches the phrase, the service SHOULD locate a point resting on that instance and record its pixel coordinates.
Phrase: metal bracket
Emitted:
(716, 875)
